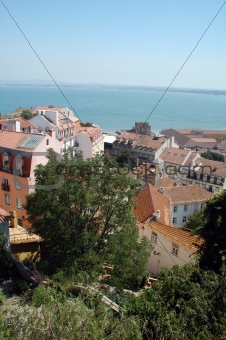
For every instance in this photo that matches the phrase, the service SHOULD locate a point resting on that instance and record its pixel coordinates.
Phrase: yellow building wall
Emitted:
(26, 251)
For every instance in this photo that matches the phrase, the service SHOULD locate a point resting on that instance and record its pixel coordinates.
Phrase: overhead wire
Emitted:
(43, 64)
(186, 60)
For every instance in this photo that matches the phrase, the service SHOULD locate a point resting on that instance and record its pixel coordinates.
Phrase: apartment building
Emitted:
(20, 153)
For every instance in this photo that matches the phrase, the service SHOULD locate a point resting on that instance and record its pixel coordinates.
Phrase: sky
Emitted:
(124, 42)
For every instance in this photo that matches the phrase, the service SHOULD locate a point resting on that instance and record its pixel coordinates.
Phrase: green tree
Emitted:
(83, 211)
(213, 156)
(213, 231)
(86, 124)
(6, 267)
(185, 303)
(124, 158)
(27, 114)
(195, 220)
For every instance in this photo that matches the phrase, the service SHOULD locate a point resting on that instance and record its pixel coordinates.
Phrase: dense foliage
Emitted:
(185, 303)
(195, 220)
(6, 263)
(213, 230)
(83, 211)
(213, 156)
(27, 114)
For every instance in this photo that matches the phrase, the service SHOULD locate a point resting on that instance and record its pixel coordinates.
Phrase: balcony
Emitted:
(5, 169)
(5, 187)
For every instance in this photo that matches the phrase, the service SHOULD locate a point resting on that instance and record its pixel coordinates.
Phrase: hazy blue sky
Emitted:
(133, 42)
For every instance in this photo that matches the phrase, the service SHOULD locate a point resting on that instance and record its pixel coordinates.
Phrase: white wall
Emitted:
(164, 248)
(51, 115)
(191, 208)
(85, 145)
(39, 122)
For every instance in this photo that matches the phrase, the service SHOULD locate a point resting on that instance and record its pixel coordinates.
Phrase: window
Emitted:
(175, 249)
(5, 184)
(175, 154)
(47, 141)
(174, 220)
(154, 237)
(7, 199)
(196, 208)
(185, 207)
(19, 164)
(20, 222)
(17, 185)
(184, 219)
(5, 157)
(19, 203)
(175, 209)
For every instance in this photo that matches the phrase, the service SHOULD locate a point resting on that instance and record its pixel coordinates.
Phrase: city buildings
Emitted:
(20, 153)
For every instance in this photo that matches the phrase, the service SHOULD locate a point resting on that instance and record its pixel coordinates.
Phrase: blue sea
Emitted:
(118, 107)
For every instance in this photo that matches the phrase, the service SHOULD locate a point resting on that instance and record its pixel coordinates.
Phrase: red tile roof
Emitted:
(187, 194)
(12, 140)
(174, 156)
(176, 235)
(23, 122)
(4, 216)
(21, 235)
(49, 108)
(148, 201)
(91, 131)
(141, 141)
(165, 182)
(217, 168)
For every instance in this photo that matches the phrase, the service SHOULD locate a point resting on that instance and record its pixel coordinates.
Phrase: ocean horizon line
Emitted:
(117, 87)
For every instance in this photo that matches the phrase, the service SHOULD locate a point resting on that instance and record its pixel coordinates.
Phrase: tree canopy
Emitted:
(27, 114)
(83, 211)
(213, 156)
(212, 229)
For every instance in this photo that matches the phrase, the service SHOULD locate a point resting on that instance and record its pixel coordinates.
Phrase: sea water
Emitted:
(117, 107)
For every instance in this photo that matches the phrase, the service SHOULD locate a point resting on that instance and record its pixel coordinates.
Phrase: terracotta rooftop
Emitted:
(174, 156)
(218, 168)
(187, 194)
(14, 140)
(193, 156)
(203, 140)
(21, 235)
(201, 132)
(200, 144)
(92, 131)
(142, 141)
(148, 201)
(4, 216)
(129, 135)
(165, 182)
(179, 236)
(23, 122)
(49, 108)
(180, 138)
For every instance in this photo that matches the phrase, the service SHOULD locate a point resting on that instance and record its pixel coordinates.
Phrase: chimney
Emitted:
(13, 221)
(172, 141)
(13, 125)
(157, 215)
(161, 190)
